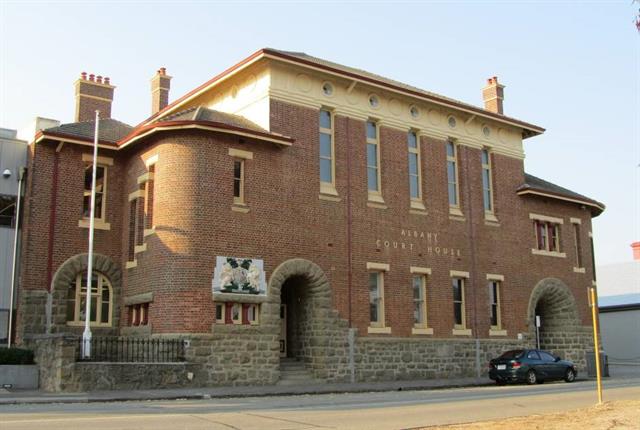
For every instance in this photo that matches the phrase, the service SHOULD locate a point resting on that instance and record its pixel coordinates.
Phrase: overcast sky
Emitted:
(571, 67)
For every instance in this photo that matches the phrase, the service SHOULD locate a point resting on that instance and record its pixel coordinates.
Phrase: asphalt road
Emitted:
(381, 410)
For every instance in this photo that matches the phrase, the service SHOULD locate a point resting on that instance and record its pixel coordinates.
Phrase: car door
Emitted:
(534, 362)
(552, 368)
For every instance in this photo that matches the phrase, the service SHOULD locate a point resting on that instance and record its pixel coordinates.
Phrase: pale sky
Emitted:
(570, 67)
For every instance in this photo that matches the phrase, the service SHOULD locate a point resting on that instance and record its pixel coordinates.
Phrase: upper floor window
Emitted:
(327, 160)
(547, 235)
(415, 189)
(487, 187)
(101, 192)
(577, 245)
(101, 300)
(494, 303)
(373, 158)
(459, 317)
(7, 211)
(238, 181)
(452, 174)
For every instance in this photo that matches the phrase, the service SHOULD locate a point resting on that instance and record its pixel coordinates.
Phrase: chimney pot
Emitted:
(92, 77)
(83, 76)
(99, 79)
(163, 71)
(107, 80)
(636, 250)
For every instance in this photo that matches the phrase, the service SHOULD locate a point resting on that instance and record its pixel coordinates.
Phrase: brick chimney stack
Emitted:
(493, 95)
(93, 93)
(160, 85)
(636, 250)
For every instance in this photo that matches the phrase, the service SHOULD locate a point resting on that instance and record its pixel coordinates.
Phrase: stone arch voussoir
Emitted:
(317, 281)
(559, 292)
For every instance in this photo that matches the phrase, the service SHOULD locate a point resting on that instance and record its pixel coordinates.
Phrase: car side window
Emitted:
(533, 355)
(547, 357)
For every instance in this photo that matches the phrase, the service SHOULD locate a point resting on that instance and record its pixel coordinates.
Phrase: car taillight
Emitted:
(516, 364)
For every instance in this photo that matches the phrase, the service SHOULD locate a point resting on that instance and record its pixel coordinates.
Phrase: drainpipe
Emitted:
(14, 264)
(474, 263)
(52, 231)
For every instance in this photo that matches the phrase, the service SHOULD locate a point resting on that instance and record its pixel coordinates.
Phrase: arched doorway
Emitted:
(305, 309)
(560, 330)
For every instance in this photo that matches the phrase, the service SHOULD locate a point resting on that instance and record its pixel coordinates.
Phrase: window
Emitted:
(376, 299)
(487, 188)
(533, 355)
(238, 182)
(101, 300)
(547, 357)
(150, 191)
(253, 314)
(236, 313)
(139, 314)
(420, 301)
(577, 243)
(373, 158)
(458, 303)
(7, 211)
(494, 303)
(220, 313)
(327, 164)
(547, 236)
(101, 192)
(415, 188)
(452, 174)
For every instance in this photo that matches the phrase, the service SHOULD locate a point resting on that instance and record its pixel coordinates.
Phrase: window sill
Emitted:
(579, 270)
(455, 211)
(491, 223)
(140, 248)
(131, 264)
(374, 196)
(417, 204)
(81, 324)
(548, 253)
(329, 198)
(422, 330)
(418, 212)
(491, 217)
(497, 332)
(328, 189)
(377, 205)
(242, 209)
(379, 330)
(97, 224)
(461, 332)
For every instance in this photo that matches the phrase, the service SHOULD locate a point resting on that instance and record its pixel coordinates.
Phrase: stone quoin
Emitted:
(365, 228)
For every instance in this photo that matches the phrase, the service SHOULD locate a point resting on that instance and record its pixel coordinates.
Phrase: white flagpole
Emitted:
(86, 335)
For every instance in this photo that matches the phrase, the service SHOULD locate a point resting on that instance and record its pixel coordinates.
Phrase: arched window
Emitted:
(101, 300)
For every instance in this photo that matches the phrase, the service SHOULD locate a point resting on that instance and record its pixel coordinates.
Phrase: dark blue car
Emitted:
(530, 366)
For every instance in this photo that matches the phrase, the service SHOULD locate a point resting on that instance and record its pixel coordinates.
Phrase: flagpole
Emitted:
(86, 335)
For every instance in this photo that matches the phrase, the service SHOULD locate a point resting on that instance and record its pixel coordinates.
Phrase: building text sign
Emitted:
(414, 240)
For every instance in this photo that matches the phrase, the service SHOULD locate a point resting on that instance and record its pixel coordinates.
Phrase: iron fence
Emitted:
(133, 350)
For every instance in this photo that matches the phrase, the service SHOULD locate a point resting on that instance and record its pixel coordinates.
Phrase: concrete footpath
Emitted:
(12, 397)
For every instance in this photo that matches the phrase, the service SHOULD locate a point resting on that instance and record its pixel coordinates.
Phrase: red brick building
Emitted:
(294, 207)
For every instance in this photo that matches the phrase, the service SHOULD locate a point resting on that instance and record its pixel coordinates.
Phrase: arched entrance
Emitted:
(560, 330)
(305, 311)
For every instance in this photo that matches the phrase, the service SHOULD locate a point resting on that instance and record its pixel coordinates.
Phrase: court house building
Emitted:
(294, 213)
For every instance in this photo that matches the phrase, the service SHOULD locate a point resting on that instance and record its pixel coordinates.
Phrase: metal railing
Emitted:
(133, 350)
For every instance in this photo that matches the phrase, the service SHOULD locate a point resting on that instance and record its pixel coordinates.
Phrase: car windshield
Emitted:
(516, 353)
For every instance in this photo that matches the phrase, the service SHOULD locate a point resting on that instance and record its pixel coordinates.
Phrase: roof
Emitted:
(619, 303)
(351, 73)
(534, 185)
(111, 130)
(210, 115)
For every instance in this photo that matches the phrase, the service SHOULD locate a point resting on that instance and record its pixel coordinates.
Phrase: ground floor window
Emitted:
(458, 303)
(101, 300)
(376, 299)
(494, 302)
(420, 300)
(139, 314)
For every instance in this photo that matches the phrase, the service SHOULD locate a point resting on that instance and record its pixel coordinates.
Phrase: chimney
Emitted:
(93, 93)
(493, 95)
(160, 85)
(636, 250)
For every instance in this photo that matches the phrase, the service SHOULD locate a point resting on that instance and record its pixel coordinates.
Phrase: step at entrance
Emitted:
(294, 372)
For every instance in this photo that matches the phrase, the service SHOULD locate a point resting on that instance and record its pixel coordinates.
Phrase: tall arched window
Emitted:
(101, 300)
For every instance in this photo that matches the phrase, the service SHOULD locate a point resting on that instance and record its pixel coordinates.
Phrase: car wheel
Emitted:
(570, 375)
(532, 378)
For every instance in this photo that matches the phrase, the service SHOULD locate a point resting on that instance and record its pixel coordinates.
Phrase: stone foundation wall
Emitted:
(89, 376)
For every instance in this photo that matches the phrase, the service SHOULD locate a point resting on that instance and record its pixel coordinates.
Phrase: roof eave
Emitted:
(596, 207)
(69, 138)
